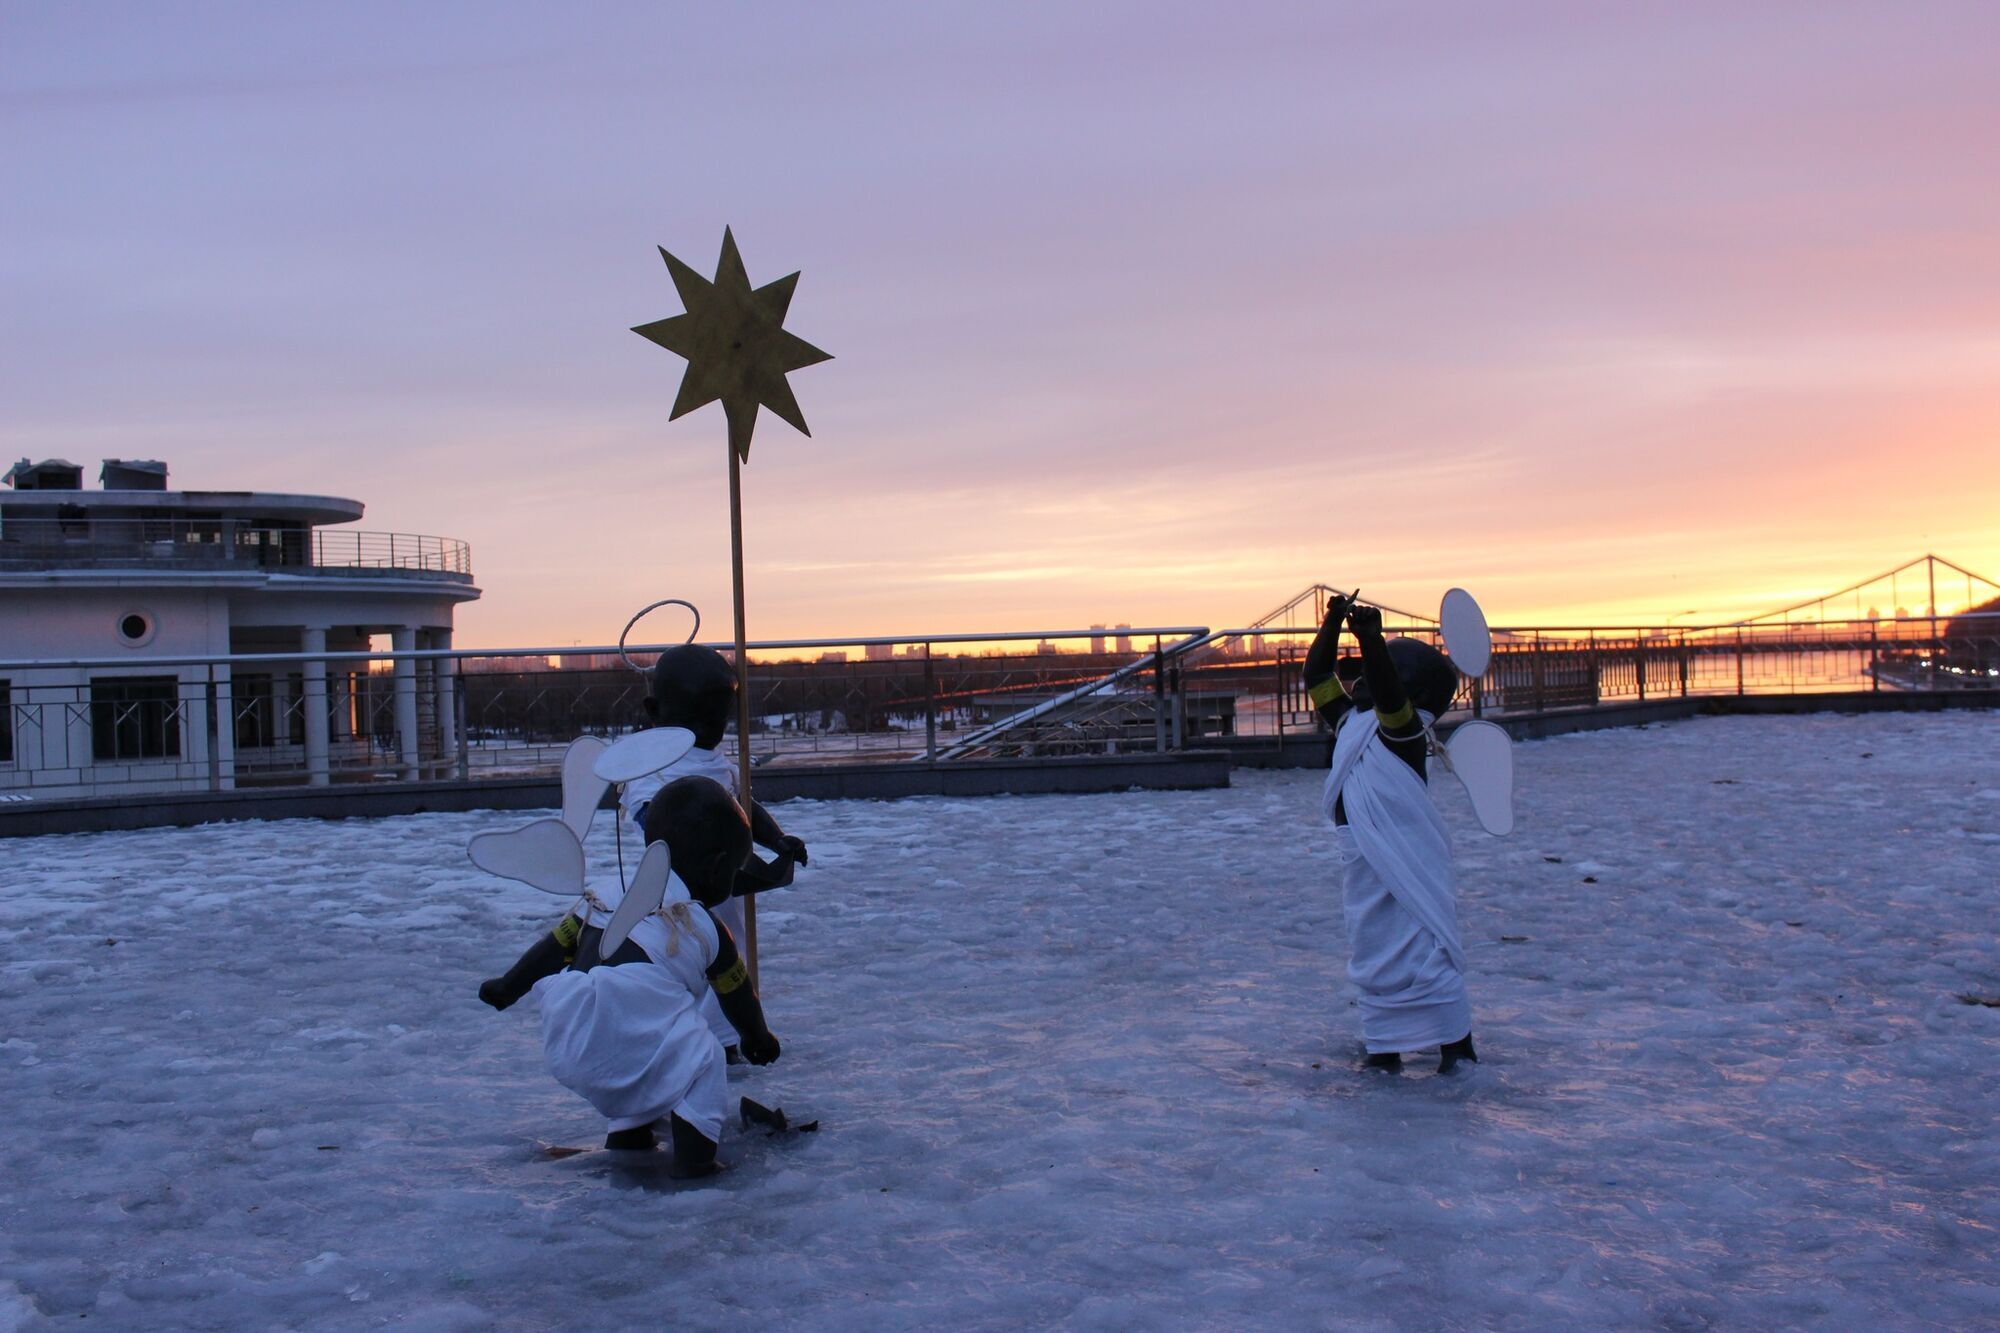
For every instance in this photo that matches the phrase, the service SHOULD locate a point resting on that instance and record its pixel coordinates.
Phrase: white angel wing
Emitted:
(546, 854)
(642, 752)
(642, 898)
(1466, 639)
(582, 789)
(1482, 757)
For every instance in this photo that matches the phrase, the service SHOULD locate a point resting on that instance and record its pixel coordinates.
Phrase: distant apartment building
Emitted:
(115, 604)
(526, 665)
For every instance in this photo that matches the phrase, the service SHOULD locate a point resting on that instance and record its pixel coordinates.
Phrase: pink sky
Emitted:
(1141, 313)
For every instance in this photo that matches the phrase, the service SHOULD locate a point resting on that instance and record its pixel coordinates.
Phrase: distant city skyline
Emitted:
(1141, 314)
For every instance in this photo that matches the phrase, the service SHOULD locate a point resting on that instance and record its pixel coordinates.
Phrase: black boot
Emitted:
(1387, 1062)
(639, 1139)
(694, 1152)
(1452, 1052)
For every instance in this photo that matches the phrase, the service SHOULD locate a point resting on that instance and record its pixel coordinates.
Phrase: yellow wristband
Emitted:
(566, 932)
(734, 976)
(1326, 692)
(1400, 718)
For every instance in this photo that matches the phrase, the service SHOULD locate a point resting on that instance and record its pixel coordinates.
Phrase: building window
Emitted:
(135, 629)
(135, 717)
(6, 722)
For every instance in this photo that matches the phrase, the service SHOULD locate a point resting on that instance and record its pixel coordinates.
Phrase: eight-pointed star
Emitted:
(735, 343)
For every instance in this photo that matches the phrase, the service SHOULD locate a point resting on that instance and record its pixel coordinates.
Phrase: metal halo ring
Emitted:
(644, 611)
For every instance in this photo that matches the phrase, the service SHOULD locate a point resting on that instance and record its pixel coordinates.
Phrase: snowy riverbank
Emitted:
(1079, 1060)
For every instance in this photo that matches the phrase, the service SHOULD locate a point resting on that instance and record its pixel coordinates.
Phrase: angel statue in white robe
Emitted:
(1400, 896)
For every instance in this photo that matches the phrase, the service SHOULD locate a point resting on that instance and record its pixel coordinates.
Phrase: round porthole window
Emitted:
(135, 629)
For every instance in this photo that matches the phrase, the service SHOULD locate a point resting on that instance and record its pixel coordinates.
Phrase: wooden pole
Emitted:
(742, 686)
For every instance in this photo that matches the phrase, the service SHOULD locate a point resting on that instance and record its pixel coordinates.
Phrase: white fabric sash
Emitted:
(696, 763)
(1396, 827)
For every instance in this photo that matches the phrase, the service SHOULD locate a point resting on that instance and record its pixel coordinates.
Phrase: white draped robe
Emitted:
(1400, 899)
(630, 1039)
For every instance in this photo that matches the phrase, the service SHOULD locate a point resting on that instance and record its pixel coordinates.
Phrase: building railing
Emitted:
(97, 540)
(1546, 669)
(98, 727)
(344, 548)
(137, 724)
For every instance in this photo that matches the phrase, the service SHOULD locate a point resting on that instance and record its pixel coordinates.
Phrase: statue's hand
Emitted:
(759, 1048)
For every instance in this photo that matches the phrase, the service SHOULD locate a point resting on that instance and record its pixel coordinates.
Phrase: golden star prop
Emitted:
(735, 344)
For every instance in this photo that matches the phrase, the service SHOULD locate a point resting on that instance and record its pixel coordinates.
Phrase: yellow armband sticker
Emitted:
(1400, 718)
(732, 977)
(1326, 692)
(566, 933)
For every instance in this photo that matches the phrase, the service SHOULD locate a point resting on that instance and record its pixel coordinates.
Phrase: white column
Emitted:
(312, 639)
(342, 690)
(281, 710)
(426, 686)
(225, 729)
(447, 705)
(403, 639)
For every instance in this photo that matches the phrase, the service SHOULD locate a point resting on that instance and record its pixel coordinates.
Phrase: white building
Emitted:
(142, 587)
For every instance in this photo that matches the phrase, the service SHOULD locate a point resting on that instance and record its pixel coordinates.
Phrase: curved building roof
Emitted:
(314, 510)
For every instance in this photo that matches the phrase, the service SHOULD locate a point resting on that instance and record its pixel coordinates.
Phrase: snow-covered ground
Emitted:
(1077, 1060)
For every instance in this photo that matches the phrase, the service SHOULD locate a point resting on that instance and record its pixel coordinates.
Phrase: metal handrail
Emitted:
(1192, 639)
(55, 541)
(391, 550)
(567, 650)
(339, 716)
(1429, 627)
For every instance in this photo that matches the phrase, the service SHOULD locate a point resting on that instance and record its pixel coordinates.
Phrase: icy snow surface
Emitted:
(1076, 1060)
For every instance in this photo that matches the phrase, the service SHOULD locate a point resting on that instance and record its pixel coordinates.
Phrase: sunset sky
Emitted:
(1148, 313)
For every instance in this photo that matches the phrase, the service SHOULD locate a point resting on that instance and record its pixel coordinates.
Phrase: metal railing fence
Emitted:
(1536, 670)
(160, 723)
(111, 540)
(138, 724)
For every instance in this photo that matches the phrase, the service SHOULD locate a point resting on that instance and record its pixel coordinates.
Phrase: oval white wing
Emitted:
(545, 854)
(582, 789)
(643, 752)
(1466, 638)
(1482, 755)
(648, 890)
